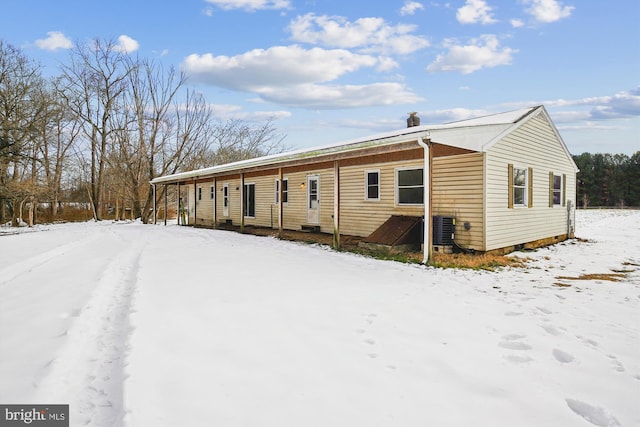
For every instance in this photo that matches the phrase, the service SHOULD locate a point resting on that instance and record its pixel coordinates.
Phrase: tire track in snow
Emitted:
(28, 264)
(88, 372)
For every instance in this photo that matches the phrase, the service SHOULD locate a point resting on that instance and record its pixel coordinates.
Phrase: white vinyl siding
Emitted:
(535, 146)
(458, 191)
(204, 206)
(359, 217)
(295, 205)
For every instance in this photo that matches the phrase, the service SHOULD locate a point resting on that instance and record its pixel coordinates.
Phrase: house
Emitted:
(495, 183)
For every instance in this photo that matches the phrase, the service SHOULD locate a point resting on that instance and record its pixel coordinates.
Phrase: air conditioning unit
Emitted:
(443, 230)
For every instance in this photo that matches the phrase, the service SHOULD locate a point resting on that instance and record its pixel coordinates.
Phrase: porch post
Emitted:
(195, 202)
(336, 204)
(166, 203)
(242, 202)
(155, 207)
(215, 202)
(178, 202)
(426, 176)
(280, 202)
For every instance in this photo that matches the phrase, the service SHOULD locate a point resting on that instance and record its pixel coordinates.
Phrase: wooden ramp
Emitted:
(398, 230)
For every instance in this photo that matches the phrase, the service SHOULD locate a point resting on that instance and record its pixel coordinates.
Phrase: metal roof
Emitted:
(476, 134)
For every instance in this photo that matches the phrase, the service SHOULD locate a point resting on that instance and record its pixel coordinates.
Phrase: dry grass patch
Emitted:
(476, 261)
(611, 277)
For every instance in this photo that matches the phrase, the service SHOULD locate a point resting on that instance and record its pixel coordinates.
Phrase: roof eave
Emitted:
(278, 159)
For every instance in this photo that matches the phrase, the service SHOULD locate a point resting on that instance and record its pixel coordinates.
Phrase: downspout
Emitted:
(426, 176)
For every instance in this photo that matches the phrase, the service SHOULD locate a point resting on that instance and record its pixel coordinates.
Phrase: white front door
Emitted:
(225, 200)
(313, 199)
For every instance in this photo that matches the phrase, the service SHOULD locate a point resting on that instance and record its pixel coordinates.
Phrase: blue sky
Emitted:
(332, 70)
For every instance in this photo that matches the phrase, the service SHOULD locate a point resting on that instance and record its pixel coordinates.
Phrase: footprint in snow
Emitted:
(518, 359)
(544, 310)
(511, 342)
(562, 356)
(595, 415)
(617, 365)
(550, 330)
(514, 345)
(513, 313)
(588, 341)
(513, 337)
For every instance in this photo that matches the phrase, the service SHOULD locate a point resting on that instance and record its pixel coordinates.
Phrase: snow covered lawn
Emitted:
(142, 325)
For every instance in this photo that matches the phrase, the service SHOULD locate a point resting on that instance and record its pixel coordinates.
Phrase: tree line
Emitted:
(608, 180)
(102, 128)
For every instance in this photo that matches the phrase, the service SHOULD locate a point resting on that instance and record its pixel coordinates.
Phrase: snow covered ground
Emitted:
(142, 325)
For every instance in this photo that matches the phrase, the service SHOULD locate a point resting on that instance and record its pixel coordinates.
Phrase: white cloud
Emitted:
(548, 10)
(367, 34)
(516, 23)
(410, 7)
(251, 5)
(292, 75)
(386, 64)
(126, 44)
(314, 96)
(236, 112)
(278, 66)
(55, 40)
(475, 11)
(621, 105)
(450, 115)
(483, 52)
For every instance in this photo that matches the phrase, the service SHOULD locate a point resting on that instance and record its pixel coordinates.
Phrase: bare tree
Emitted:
(58, 132)
(20, 113)
(236, 140)
(157, 133)
(93, 86)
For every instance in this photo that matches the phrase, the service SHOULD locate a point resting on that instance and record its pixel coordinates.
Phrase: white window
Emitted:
(285, 191)
(520, 180)
(556, 189)
(250, 200)
(372, 185)
(410, 186)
